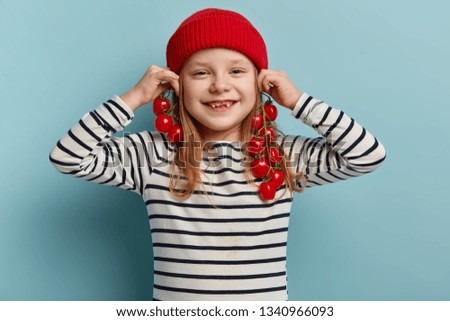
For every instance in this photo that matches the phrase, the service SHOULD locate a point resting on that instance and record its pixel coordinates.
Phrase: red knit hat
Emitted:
(210, 28)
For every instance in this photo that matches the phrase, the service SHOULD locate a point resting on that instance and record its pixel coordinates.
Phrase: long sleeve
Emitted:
(88, 151)
(345, 149)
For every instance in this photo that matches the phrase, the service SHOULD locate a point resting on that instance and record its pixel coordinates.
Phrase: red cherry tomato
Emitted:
(260, 167)
(274, 156)
(271, 111)
(160, 105)
(268, 131)
(267, 191)
(163, 123)
(257, 122)
(175, 134)
(255, 145)
(277, 178)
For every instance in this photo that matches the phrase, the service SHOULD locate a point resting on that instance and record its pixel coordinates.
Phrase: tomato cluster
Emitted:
(164, 122)
(265, 152)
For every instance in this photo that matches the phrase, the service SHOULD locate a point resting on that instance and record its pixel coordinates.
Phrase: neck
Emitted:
(231, 135)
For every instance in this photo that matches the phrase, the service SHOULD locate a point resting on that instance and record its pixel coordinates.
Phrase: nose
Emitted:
(220, 83)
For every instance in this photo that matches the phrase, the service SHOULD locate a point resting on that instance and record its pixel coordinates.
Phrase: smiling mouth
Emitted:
(221, 104)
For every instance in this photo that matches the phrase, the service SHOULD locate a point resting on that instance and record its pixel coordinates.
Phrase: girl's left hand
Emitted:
(277, 84)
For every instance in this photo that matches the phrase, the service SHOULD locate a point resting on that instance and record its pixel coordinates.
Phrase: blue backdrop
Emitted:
(383, 236)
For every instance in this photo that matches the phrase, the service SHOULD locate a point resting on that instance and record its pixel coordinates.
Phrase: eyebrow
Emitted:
(231, 62)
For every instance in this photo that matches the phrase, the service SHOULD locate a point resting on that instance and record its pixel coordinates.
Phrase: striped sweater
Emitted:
(236, 249)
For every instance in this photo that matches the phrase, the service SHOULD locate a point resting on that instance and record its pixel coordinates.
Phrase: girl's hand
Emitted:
(277, 84)
(155, 81)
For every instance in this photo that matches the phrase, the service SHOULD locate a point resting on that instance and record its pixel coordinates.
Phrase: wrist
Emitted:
(295, 100)
(132, 99)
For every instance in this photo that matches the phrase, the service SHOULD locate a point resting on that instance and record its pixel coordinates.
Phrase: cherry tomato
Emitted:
(277, 178)
(175, 134)
(257, 122)
(267, 191)
(255, 145)
(163, 123)
(268, 131)
(271, 111)
(260, 167)
(160, 105)
(274, 156)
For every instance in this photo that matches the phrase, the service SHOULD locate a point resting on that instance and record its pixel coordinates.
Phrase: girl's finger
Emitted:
(165, 84)
(165, 73)
(175, 85)
(260, 80)
(268, 81)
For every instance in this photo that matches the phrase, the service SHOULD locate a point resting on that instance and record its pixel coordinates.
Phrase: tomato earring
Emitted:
(162, 108)
(265, 151)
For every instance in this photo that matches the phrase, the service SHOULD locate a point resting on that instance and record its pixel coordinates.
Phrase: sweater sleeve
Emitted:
(89, 151)
(345, 149)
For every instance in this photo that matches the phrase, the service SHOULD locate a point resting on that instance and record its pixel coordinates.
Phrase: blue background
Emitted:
(382, 236)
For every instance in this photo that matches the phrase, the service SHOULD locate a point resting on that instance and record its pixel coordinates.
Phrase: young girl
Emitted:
(218, 186)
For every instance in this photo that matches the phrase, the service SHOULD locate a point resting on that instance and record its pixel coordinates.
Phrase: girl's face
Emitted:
(219, 88)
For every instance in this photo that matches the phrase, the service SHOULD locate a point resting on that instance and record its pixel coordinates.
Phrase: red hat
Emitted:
(210, 28)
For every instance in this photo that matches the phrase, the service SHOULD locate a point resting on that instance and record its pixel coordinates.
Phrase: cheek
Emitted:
(251, 98)
(191, 92)
(188, 96)
(191, 104)
(249, 88)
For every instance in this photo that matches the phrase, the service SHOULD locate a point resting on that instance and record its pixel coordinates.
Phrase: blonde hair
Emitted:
(188, 154)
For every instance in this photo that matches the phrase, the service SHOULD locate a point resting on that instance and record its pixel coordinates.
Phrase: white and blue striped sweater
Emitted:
(236, 250)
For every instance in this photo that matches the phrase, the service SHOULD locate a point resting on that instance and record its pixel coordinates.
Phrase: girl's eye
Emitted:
(200, 73)
(237, 71)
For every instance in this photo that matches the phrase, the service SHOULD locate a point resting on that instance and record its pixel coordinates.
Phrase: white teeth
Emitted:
(215, 105)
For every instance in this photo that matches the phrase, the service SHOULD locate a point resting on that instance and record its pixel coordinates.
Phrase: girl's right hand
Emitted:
(155, 81)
